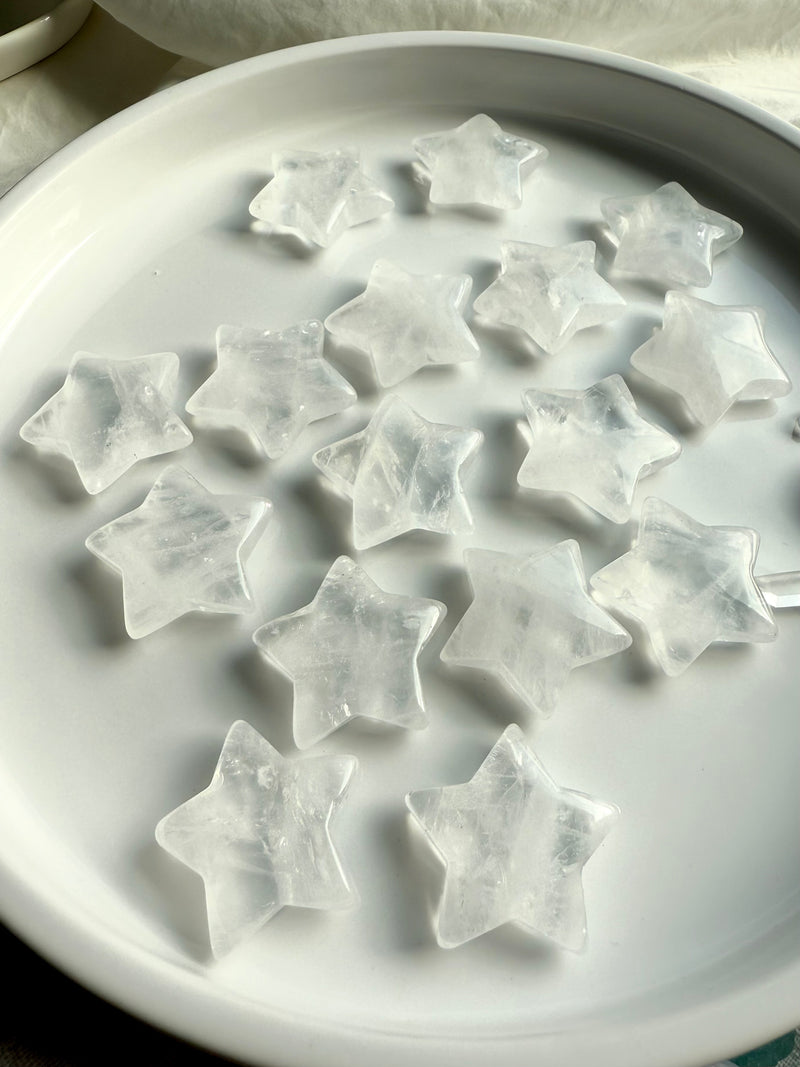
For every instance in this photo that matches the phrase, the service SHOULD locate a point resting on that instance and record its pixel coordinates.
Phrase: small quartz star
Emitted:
(110, 413)
(531, 622)
(352, 652)
(688, 585)
(271, 385)
(711, 356)
(549, 293)
(404, 321)
(668, 236)
(259, 836)
(593, 444)
(319, 195)
(514, 845)
(402, 473)
(476, 163)
(181, 550)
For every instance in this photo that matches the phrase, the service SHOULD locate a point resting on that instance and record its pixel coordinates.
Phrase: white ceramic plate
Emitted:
(136, 239)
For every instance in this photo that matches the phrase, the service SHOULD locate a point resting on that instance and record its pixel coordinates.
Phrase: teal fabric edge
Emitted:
(768, 1055)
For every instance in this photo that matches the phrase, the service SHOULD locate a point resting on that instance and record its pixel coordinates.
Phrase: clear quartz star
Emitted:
(402, 473)
(109, 414)
(476, 163)
(259, 836)
(593, 444)
(352, 652)
(688, 585)
(181, 550)
(271, 385)
(531, 622)
(319, 195)
(711, 356)
(549, 293)
(404, 321)
(668, 236)
(514, 845)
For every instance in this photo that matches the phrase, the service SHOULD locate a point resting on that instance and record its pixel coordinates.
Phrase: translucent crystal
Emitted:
(668, 236)
(476, 163)
(271, 385)
(404, 321)
(352, 652)
(259, 836)
(532, 621)
(514, 845)
(711, 356)
(402, 473)
(108, 414)
(180, 550)
(319, 195)
(549, 293)
(593, 444)
(688, 585)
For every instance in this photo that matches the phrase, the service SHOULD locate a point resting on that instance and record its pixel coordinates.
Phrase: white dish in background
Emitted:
(136, 239)
(26, 43)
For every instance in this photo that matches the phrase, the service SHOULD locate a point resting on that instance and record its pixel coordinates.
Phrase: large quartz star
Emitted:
(668, 236)
(180, 550)
(549, 293)
(594, 444)
(476, 163)
(259, 836)
(532, 621)
(712, 356)
(108, 414)
(352, 652)
(513, 844)
(402, 473)
(319, 195)
(271, 385)
(688, 585)
(404, 321)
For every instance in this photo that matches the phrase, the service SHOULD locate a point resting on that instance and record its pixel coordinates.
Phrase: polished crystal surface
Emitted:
(549, 293)
(402, 473)
(319, 195)
(688, 585)
(667, 236)
(531, 622)
(352, 652)
(712, 356)
(259, 836)
(181, 550)
(593, 444)
(476, 163)
(271, 384)
(109, 414)
(514, 845)
(404, 321)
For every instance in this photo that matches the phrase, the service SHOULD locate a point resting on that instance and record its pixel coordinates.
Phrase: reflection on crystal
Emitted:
(352, 652)
(593, 444)
(688, 585)
(259, 836)
(532, 621)
(181, 550)
(668, 236)
(271, 385)
(549, 293)
(109, 414)
(404, 321)
(514, 845)
(476, 163)
(711, 356)
(402, 473)
(319, 195)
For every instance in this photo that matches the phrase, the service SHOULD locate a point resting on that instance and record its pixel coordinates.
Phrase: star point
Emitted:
(259, 836)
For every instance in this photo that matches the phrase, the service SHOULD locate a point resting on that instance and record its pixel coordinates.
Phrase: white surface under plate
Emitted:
(137, 239)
